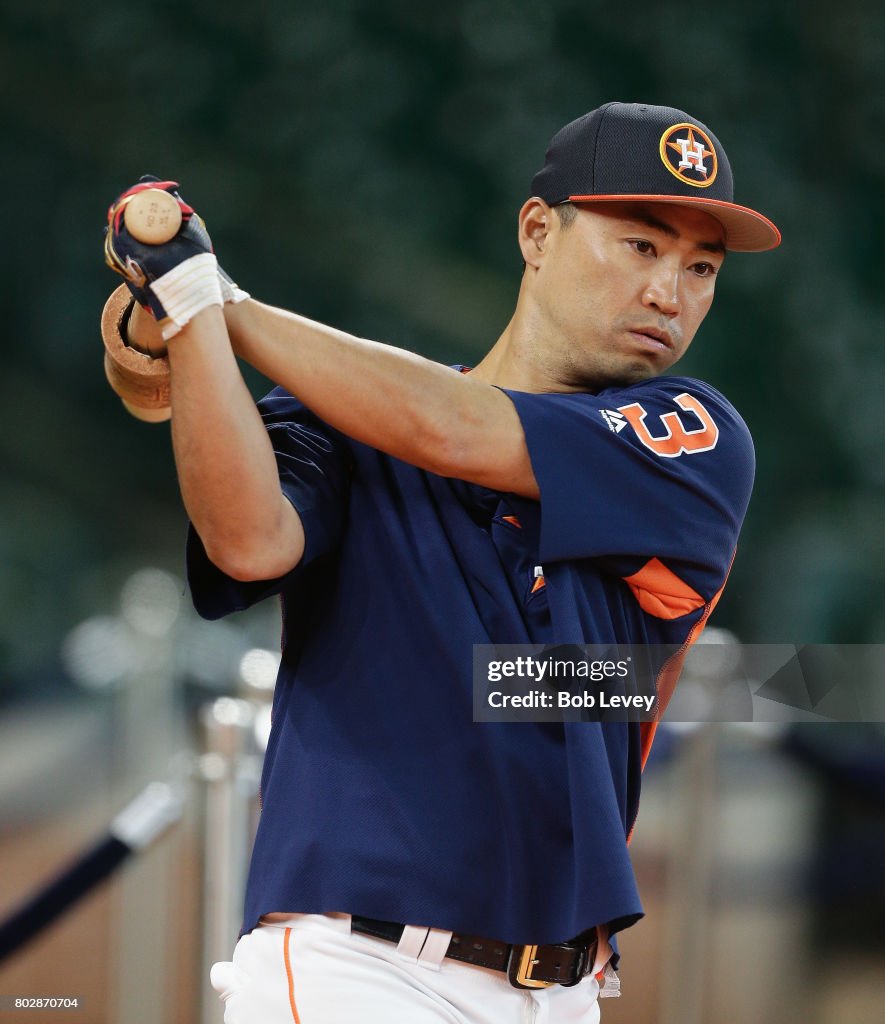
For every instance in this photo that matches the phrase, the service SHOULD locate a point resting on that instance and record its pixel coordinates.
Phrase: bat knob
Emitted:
(152, 216)
(141, 382)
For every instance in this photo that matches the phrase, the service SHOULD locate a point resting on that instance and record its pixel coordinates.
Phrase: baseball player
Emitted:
(410, 864)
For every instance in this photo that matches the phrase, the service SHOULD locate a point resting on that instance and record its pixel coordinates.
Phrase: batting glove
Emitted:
(175, 280)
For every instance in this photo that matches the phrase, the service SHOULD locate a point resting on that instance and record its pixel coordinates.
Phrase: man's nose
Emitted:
(662, 290)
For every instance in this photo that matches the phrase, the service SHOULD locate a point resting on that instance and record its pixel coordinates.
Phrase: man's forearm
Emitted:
(405, 405)
(226, 467)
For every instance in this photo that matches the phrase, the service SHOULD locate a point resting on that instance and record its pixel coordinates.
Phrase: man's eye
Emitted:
(642, 246)
(704, 269)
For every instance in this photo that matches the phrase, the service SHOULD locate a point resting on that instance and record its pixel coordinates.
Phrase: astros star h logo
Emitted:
(689, 155)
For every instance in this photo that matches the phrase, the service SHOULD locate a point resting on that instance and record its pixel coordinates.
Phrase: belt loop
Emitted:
(411, 943)
(604, 950)
(435, 948)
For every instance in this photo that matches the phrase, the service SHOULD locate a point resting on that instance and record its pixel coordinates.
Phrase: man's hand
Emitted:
(175, 280)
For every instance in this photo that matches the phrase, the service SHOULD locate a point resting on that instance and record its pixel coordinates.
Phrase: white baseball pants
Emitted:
(310, 969)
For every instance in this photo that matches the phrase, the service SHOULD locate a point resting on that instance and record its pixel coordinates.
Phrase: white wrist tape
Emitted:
(186, 290)
(230, 290)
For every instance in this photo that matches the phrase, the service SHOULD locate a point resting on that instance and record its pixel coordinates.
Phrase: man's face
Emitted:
(622, 290)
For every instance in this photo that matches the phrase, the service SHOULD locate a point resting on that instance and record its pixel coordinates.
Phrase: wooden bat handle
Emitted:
(141, 381)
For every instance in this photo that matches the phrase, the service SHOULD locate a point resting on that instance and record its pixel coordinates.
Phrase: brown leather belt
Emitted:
(564, 963)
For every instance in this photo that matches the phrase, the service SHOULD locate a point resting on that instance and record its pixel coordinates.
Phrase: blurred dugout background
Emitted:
(362, 162)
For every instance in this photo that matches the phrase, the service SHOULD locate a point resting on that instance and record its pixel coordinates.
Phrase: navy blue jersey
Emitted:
(381, 796)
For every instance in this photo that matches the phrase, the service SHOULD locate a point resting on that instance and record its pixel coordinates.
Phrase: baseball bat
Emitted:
(137, 369)
(152, 216)
(139, 379)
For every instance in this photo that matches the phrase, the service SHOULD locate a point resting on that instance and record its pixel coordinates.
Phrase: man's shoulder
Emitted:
(665, 416)
(669, 386)
(665, 409)
(652, 395)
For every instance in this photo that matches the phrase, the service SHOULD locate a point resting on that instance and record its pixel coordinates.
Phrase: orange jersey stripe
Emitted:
(669, 676)
(660, 592)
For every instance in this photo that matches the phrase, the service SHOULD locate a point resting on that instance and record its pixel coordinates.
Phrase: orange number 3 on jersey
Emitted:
(677, 440)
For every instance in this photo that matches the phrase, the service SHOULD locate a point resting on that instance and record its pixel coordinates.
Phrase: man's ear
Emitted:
(536, 222)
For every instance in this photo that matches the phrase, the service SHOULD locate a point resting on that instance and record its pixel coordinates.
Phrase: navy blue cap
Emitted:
(636, 151)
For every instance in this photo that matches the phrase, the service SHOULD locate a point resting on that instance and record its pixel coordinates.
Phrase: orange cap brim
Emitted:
(745, 229)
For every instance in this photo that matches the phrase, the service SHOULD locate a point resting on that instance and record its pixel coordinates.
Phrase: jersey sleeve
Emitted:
(314, 464)
(647, 477)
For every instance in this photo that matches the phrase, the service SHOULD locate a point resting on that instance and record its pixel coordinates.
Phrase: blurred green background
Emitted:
(363, 163)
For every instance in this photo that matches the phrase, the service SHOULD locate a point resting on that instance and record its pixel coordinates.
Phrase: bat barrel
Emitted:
(141, 381)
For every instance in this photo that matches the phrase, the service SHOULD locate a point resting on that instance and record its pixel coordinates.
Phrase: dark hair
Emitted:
(567, 213)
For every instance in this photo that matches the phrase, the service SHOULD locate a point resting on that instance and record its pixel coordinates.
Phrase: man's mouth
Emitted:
(654, 337)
